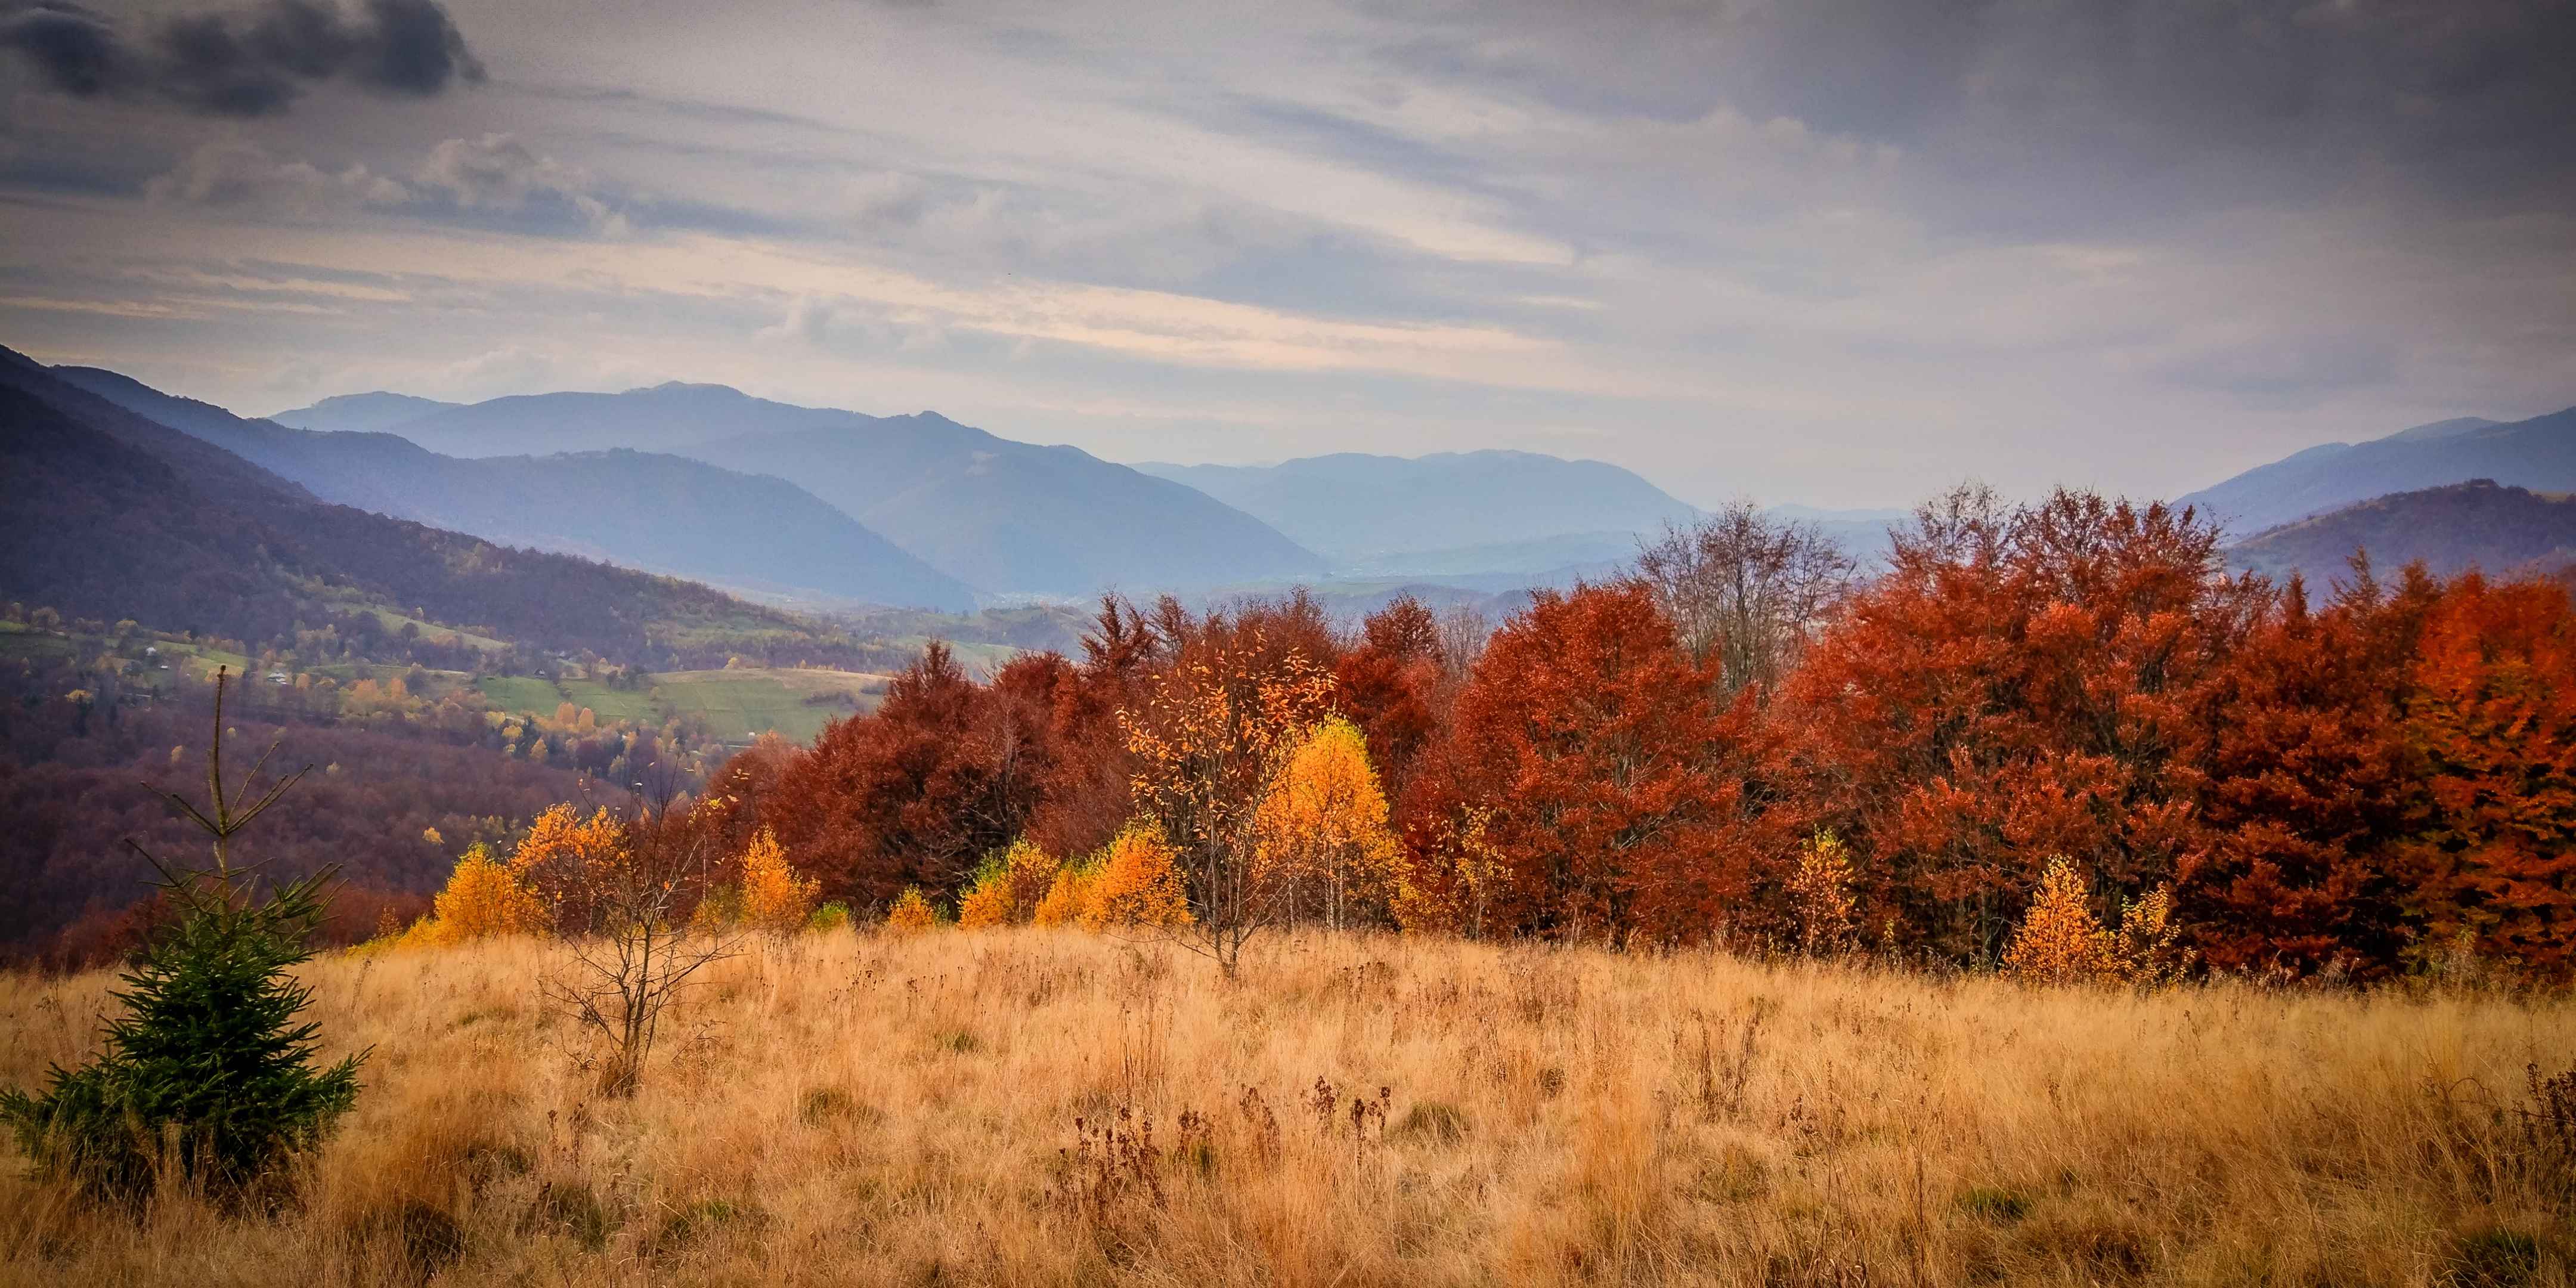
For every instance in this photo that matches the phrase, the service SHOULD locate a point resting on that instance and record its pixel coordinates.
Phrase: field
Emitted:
(1037, 1107)
(739, 703)
(735, 705)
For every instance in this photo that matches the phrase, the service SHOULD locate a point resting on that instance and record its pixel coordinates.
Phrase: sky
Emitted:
(1840, 253)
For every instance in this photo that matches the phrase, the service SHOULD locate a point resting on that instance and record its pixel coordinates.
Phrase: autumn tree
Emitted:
(911, 913)
(2490, 859)
(774, 898)
(1210, 736)
(2021, 682)
(628, 885)
(1009, 887)
(1321, 832)
(1820, 897)
(1612, 785)
(914, 793)
(2059, 940)
(1744, 590)
(483, 899)
(1136, 883)
(1388, 686)
(2302, 778)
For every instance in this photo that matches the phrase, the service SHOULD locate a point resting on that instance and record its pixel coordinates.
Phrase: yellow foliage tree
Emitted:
(483, 899)
(1067, 901)
(911, 913)
(1320, 833)
(1138, 882)
(2150, 944)
(1009, 887)
(1820, 892)
(987, 904)
(2059, 941)
(774, 898)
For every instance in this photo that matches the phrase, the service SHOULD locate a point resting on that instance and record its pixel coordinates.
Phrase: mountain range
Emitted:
(655, 512)
(1006, 517)
(106, 513)
(2538, 453)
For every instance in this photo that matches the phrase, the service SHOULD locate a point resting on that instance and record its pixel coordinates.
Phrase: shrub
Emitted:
(2059, 942)
(1139, 882)
(911, 913)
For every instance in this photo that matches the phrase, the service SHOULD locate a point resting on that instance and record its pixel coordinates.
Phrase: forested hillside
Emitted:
(655, 512)
(2479, 524)
(110, 515)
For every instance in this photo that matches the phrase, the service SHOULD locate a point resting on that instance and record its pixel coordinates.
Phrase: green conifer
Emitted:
(209, 1075)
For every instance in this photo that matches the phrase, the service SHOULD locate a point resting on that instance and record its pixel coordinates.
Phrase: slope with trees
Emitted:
(2479, 524)
(2539, 453)
(651, 511)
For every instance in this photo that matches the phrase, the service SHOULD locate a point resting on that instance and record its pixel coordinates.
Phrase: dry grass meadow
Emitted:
(1034, 1107)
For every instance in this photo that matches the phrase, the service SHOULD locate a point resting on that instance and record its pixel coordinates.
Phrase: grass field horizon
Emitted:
(1052, 1107)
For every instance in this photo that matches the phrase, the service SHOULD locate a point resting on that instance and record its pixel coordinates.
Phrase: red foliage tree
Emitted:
(2492, 860)
(2016, 685)
(916, 792)
(1385, 686)
(1602, 777)
(2303, 779)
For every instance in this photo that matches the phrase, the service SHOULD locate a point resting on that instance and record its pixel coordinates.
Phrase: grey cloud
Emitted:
(249, 63)
(2032, 113)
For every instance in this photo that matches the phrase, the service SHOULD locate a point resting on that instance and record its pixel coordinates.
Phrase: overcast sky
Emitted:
(1839, 253)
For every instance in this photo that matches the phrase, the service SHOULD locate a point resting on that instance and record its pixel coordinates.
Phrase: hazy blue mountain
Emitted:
(2478, 524)
(360, 413)
(1356, 507)
(2537, 453)
(108, 513)
(656, 512)
(1006, 516)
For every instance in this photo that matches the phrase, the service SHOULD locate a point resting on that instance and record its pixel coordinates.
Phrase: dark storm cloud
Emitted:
(249, 63)
(2076, 106)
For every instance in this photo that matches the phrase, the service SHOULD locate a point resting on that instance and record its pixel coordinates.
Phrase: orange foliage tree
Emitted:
(2491, 860)
(483, 898)
(2019, 683)
(1611, 787)
(1320, 833)
(1009, 887)
(1136, 883)
(2059, 940)
(2302, 780)
(1210, 737)
(774, 897)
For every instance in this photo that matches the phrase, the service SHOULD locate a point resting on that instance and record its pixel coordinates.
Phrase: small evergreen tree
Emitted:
(209, 1074)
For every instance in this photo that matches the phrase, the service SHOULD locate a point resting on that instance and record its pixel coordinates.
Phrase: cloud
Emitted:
(235, 172)
(497, 172)
(249, 63)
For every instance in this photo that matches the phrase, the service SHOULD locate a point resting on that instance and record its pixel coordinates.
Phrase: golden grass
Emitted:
(877, 1109)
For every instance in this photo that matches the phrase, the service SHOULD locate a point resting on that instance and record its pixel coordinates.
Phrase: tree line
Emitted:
(2351, 781)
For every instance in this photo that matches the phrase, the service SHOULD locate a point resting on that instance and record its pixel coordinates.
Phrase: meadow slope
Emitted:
(867, 1108)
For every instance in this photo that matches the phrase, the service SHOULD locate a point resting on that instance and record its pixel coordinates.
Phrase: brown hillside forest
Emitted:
(1739, 745)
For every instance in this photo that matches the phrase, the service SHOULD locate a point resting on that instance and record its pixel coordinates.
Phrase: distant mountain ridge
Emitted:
(2538, 453)
(360, 412)
(1004, 516)
(108, 513)
(2480, 524)
(659, 513)
(1359, 508)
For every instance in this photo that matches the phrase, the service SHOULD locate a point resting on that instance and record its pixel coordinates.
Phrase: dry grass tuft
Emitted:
(1049, 1107)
